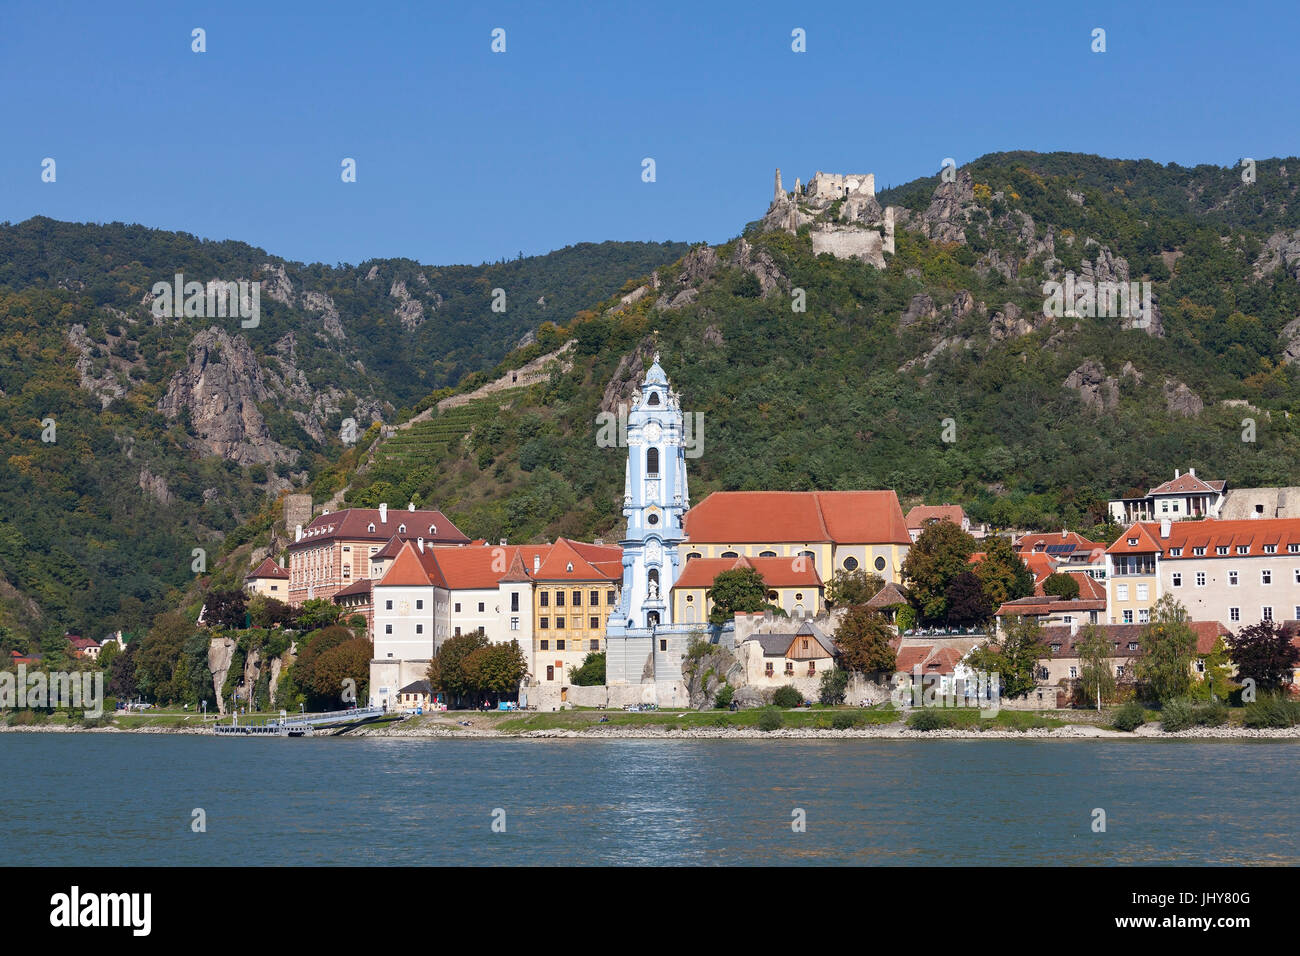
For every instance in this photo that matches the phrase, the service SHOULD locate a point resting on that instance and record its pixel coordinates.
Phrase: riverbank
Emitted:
(707, 725)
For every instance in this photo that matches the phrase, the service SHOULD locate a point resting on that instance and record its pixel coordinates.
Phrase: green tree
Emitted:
(940, 553)
(343, 667)
(495, 669)
(863, 639)
(592, 671)
(1003, 573)
(834, 686)
(741, 589)
(447, 671)
(317, 613)
(968, 604)
(1014, 657)
(1168, 645)
(1062, 585)
(847, 588)
(1096, 678)
(1218, 671)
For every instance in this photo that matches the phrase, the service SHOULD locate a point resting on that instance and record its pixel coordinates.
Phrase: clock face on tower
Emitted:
(653, 432)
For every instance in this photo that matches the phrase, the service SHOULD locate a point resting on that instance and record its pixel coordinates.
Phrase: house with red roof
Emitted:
(792, 585)
(921, 516)
(1238, 572)
(334, 550)
(835, 530)
(1183, 496)
(268, 579)
(552, 599)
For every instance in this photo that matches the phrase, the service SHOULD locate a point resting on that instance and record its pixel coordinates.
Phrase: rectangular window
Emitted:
(559, 623)
(1177, 579)
(1293, 548)
(514, 624)
(1234, 614)
(1143, 592)
(594, 623)
(1232, 579)
(419, 605)
(577, 599)
(1128, 617)
(458, 632)
(1265, 576)
(388, 605)
(1221, 549)
(1266, 613)
(1144, 615)
(663, 644)
(1200, 579)
(514, 600)
(457, 607)
(546, 645)
(1270, 549)
(545, 599)
(768, 670)
(559, 599)
(609, 597)
(1175, 552)
(1199, 552)
(559, 645)
(595, 645)
(1074, 672)
(594, 598)
(1121, 592)
(388, 629)
(480, 607)
(419, 629)
(545, 624)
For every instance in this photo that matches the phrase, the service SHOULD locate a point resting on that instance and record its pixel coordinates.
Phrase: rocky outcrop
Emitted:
(624, 383)
(1009, 322)
(1281, 250)
(759, 264)
(409, 310)
(330, 321)
(1290, 336)
(276, 284)
(1098, 390)
(221, 652)
(948, 214)
(1181, 400)
(921, 307)
(220, 388)
(104, 385)
(155, 486)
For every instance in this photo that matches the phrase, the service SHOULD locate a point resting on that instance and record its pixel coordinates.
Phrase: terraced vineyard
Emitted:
(432, 438)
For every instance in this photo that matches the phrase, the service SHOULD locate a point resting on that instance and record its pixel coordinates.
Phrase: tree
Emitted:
(1264, 653)
(447, 670)
(317, 613)
(1014, 659)
(863, 639)
(1168, 646)
(834, 686)
(968, 605)
(847, 588)
(741, 589)
(495, 669)
(225, 609)
(592, 671)
(1218, 671)
(1061, 585)
(121, 674)
(1004, 574)
(1096, 679)
(941, 553)
(158, 654)
(268, 612)
(345, 666)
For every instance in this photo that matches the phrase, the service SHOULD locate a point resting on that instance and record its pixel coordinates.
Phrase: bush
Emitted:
(770, 719)
(787, 697)
(722, 699)
(845, 719)
(1213, 714)
(834, 684)
(1129, 717)
(1272, 711)
(930, 719)
(1177, 715)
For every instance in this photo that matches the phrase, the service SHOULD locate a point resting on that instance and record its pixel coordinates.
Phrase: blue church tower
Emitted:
(643, 643)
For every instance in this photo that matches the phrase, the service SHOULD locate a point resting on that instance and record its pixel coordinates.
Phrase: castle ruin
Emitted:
(844, 217)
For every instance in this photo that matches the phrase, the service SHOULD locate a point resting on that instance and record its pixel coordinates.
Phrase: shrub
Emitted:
(845, 719)
(1177, 715)
(929, 719)
(1272, 711)
(787, 696)
(1212, 714)
(722, 699)
(834, 684)
(1129, 717)
(770, 719)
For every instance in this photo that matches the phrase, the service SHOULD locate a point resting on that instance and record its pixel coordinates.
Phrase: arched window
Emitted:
(401, 529)
(371, 529)
(653, 399)
(652, 463)
(767, 554)
(433, 529)
(693, 554)
(729, 554)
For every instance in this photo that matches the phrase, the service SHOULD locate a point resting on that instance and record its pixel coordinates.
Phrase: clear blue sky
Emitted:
(464, 155)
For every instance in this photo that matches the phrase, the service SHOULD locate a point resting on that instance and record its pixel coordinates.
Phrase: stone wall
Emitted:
(844, 242)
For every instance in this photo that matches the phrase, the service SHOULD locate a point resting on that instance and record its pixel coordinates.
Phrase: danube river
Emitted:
(108, 799)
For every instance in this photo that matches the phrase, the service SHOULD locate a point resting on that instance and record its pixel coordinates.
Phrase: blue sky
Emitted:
(464, 155)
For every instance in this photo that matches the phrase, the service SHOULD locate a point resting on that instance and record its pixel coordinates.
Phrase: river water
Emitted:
(101, 799)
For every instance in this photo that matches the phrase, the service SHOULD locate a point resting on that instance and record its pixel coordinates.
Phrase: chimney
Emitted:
(325, 511)
(281, 560)
(503, 542)
(599, 541)
(1175, 472)
(383, 513)
(1074, 628)
(1064, 534)
(537, 563)
(297, 535)
(410, 506)
(1192, 472)
(420, 543)
(1165, 525)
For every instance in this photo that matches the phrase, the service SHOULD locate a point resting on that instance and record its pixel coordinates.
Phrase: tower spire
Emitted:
(778, 193)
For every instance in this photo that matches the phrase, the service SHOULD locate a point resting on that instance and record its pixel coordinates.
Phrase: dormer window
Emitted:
(433, 529)
(569, 567)
(1175, 552)
(1132, 542)
(1199, 552)
(371, 528)
(401, 529)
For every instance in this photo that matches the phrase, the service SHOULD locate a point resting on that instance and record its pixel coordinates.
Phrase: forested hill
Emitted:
(1049, 416)
(165, 434)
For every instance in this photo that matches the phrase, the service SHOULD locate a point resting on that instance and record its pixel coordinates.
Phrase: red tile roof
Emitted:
(1210, 533)
(407, 570)
(839, 517)
(776, 572)
(484, 567)
(353, 524)
(363, 586)
(1186, 484)
(1207, 635)
(267, 569)
(389, 550)
(1034, 606)
(922, 515)
(1039, 541)
(566, 563)
(908, 657)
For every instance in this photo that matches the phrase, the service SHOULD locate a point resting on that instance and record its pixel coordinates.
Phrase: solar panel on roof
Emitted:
(1059, 548)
